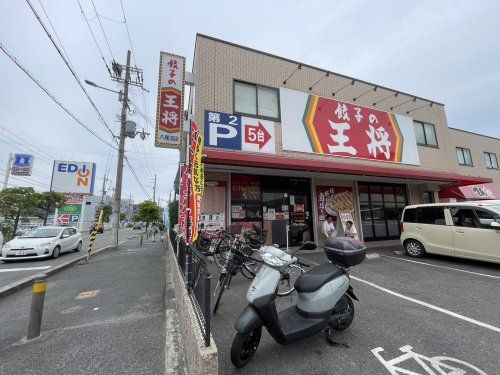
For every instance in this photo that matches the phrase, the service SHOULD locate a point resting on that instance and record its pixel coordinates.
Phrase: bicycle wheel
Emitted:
(249, 269)
(286, 284)
(224, 282)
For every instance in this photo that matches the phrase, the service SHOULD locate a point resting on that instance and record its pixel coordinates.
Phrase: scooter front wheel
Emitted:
(244, 347)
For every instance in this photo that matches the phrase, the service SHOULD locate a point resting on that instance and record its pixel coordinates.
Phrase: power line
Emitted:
(128, 33)
(93, 36)
(57, 101)
(102, 28)
(70, 67)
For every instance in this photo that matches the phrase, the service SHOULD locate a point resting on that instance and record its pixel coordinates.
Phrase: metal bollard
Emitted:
(141, 239)
(36, 312)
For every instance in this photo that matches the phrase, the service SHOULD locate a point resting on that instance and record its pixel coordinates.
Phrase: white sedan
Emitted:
(42, 242)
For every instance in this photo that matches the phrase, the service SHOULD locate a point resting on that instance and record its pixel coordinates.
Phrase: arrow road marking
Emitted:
(24, 269)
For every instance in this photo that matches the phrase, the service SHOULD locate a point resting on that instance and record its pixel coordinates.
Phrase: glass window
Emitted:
(363, 193)
(72, 231)
(430, 135)
(464, 217)
(464, 156)
(389, 194)
(245, 98)
(267, 102)
(431, 215)
(256, 100)
(428, 197)
(425, 134)
(419, 133)
(486, 218)
(491, 160)
(410, 215)
(376, 193)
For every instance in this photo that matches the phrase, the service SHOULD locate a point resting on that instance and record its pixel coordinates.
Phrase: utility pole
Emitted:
(121, 152)
(7, 172)
(154, 190)
(103, 189)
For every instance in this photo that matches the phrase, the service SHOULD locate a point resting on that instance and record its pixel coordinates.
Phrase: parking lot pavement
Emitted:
(13, 271)
(117, 329)
(405, 308)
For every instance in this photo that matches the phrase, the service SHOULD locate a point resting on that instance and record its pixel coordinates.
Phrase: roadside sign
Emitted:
(63, 219)
(73, 177)
(22, 165)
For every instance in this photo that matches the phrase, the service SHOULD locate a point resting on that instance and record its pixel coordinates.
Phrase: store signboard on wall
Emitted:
(321, 125)
(22, 165)
(73, 177)
(239, 133)
(170, 107)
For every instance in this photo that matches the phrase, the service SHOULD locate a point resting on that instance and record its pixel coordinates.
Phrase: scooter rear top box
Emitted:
(345, 251)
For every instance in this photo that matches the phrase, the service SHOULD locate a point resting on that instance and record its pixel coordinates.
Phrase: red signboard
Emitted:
(257, 135)
(170, 100)
(321, 125)
(183, 201)
(483, 191)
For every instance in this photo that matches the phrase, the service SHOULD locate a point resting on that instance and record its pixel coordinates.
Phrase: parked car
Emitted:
(42, 242)
(466, 230)
(138, 226)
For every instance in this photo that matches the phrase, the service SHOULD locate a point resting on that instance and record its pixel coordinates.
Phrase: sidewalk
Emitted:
(126, 328)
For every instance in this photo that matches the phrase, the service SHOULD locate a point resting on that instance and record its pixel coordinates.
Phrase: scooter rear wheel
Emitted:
(244, 347)
(344, 323)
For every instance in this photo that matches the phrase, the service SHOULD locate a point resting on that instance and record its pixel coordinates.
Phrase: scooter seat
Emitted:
(316, 277)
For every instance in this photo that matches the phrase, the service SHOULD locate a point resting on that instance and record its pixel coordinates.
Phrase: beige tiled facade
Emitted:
(478, 145)
(217, 64)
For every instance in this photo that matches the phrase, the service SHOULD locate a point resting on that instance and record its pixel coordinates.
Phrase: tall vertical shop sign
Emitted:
(22, 165)
(321, 125)
(170, 107)
(73, 177)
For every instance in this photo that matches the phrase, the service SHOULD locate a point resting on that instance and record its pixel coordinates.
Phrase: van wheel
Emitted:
(414, 248)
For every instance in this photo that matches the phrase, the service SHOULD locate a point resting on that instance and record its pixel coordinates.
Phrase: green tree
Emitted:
(173, 213)
(122, 216)
(149, 212)
(18, 202)
(108, 210)
(47, 202)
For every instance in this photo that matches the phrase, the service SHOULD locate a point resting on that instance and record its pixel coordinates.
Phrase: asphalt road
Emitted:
(118, 329)
(440, 307)
(13, 271)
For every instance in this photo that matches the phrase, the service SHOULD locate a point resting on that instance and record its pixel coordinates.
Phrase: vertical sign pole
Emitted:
(7, 171)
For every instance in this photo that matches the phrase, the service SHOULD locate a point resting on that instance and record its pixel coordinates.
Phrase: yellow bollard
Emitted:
(36, 312)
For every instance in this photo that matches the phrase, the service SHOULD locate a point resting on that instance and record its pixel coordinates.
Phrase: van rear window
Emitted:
(410, 215)
(431, 215)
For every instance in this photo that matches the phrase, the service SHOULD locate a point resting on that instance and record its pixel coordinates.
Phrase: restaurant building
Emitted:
(287, 144)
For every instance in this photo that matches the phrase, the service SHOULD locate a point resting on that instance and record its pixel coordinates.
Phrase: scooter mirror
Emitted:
(308, 245)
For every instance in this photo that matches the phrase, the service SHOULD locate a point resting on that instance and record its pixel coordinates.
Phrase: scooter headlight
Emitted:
(272, 260)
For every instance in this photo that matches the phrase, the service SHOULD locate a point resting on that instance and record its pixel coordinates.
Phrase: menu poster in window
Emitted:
(336, 201)
(238, 212)
(212, 220)
(271, 214)
(245, 187)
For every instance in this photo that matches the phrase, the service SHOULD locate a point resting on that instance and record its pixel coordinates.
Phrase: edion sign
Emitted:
(73, 177)
(239, 133)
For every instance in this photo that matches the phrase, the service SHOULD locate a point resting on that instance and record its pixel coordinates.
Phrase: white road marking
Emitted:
(24, 269)
(448, 268)
(433, 307)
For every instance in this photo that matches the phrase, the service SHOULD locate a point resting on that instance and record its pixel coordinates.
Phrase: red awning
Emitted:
(327, 166)
(482, 191)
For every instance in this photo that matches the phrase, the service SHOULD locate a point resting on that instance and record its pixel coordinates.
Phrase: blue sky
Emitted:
(445, 51)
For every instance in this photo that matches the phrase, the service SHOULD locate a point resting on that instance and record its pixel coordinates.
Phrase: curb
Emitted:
(27, 281)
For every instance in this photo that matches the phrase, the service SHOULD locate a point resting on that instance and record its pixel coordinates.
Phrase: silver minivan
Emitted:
(466, 230)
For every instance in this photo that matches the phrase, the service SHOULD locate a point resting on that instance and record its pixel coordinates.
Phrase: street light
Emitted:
(90, 83)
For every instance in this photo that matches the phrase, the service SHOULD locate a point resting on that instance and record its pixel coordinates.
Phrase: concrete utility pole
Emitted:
(7, 172)
(154, 190)
(121, 153)
(103, 189)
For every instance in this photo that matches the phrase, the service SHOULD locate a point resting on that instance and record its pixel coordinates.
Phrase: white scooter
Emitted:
(323, 302)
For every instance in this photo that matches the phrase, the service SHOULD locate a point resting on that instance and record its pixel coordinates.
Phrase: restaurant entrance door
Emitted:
(381, 206)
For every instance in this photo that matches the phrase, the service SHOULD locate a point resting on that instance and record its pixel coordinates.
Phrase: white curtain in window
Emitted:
(487, 160)
(268, 102)
(468, 157)
(419, 132)
(245, 98)
(494, 161)
(430, 134)
(460, 155)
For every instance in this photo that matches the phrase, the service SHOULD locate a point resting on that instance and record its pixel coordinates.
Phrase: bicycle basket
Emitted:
(255, 239)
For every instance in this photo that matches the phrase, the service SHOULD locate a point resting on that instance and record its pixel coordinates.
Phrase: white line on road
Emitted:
(444, 311)
(448, 268)
(24, 269)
